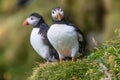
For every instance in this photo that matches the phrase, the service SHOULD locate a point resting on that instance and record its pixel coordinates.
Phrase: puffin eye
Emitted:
(31, 18)
(53, 12)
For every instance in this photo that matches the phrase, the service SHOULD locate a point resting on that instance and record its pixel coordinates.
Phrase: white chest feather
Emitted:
(37, 43)
(63, 37)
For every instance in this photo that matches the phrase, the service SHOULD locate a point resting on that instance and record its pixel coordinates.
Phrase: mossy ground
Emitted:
(102, 63)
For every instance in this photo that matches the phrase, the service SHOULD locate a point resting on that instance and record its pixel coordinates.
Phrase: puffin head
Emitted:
(33, 20)
(57, 14)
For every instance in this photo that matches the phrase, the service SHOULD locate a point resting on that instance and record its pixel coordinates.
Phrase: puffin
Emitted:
(65, 37)
(38, 37)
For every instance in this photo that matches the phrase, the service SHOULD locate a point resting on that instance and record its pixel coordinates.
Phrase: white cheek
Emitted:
(54, 15)
(62, 13)
(32, 22)
(29, 20)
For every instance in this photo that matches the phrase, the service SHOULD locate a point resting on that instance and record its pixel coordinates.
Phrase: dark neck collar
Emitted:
(37, 25)
(63, 21)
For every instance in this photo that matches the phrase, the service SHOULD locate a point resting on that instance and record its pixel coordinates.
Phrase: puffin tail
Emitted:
(82, 48)
(55, 54)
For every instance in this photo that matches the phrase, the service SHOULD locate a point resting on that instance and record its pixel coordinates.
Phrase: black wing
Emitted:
(43, 30)
(81, 38)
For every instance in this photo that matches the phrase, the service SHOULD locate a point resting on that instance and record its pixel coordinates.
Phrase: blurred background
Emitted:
(96, 18)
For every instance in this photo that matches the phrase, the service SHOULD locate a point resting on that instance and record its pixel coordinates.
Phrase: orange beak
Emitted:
(59, 16)
(25, 23)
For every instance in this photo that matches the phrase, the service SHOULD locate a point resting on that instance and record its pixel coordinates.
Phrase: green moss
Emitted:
(99, 64)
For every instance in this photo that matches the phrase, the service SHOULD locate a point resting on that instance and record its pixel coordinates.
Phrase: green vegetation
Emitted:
(103, 63)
